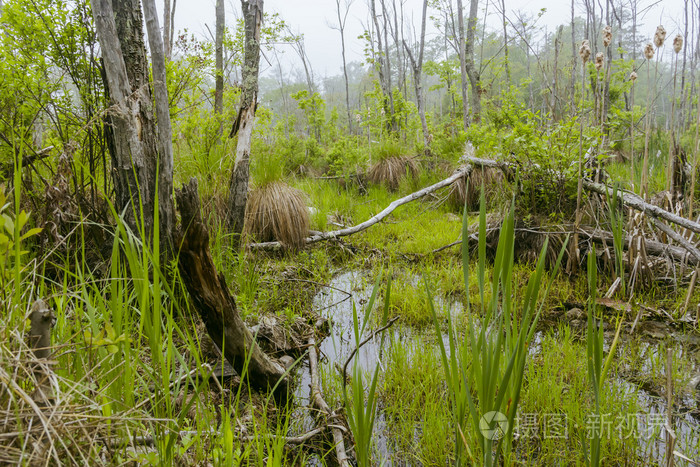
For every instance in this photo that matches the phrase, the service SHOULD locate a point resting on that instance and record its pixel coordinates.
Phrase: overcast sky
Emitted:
(314, 17)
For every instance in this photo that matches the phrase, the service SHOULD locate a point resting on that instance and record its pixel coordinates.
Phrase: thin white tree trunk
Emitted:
(165, 142)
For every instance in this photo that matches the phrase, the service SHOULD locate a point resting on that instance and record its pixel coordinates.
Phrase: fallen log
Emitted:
(628, 198)
(634, 201)
(459, 173)
(653, 247)
(215, 303)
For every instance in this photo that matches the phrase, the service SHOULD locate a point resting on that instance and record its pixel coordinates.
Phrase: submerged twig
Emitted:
(319, 403)
(356, 349)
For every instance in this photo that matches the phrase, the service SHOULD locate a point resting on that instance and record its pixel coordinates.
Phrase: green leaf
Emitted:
(31, 233)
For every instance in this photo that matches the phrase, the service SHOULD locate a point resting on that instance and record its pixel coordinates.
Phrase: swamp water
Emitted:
(335, 303)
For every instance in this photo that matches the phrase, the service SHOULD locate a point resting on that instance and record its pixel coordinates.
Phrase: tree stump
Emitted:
(216, 305)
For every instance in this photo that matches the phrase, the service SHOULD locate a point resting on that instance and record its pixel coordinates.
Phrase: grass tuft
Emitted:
(391, 170)
(277, 211)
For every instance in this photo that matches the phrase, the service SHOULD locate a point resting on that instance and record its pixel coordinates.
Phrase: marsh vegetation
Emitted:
(479, 246)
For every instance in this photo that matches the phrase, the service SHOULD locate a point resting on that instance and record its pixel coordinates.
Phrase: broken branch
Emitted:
(462, 172)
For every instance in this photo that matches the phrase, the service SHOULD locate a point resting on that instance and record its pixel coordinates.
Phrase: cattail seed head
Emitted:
(659, 37)
(599, 60)
(607, 35)
(677, 43)
(649, 51)
(633, 76)
(585, 51)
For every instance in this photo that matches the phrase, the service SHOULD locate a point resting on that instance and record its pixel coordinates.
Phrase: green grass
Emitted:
(128, 343)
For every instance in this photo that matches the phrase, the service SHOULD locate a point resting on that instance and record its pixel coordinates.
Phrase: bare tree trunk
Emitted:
(573, 60)
(300, 48)
(219, 52)
(555, 83)
(608, 67)
(463, 63)
(684, 100)
(417, 67)
(166, 209)
(397, 35)
(382, 68)
(387, 62)
(171, 38)
(342, 19)
(472, 71)
(505, 42)
(131, 130)
(243, 126)
(166, 28)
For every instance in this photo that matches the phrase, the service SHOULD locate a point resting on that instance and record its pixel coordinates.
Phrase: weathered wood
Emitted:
(8, 169)
(652, 247)
(166, 209)
(678, 238)
(131, 131)
(634, 201)
(42, 320)
(219, 58)
(166, 29)
(417, 68)
(320, 404)
(214, 302)
(243, 127)
(462, 172)
(123, 129)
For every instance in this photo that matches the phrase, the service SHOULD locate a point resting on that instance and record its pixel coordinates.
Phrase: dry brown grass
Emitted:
(469, 189)
(277, 212)
(391, 170)
(66, 429)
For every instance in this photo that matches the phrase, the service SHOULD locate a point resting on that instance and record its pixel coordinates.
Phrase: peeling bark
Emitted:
(139, 157)
(238, 187)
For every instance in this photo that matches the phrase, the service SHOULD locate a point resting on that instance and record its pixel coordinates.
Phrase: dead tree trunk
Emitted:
(131, 129)
(342, 19)
(243, 126)
(417, 68)
(472, 72)
(214, 302)
(463, 63)
(166, 28)
(383, 69)
(166, 210)
(219, 52)
(42, 320)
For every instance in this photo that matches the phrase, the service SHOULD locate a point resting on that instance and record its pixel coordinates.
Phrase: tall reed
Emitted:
(490, 360)
(598, 363)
